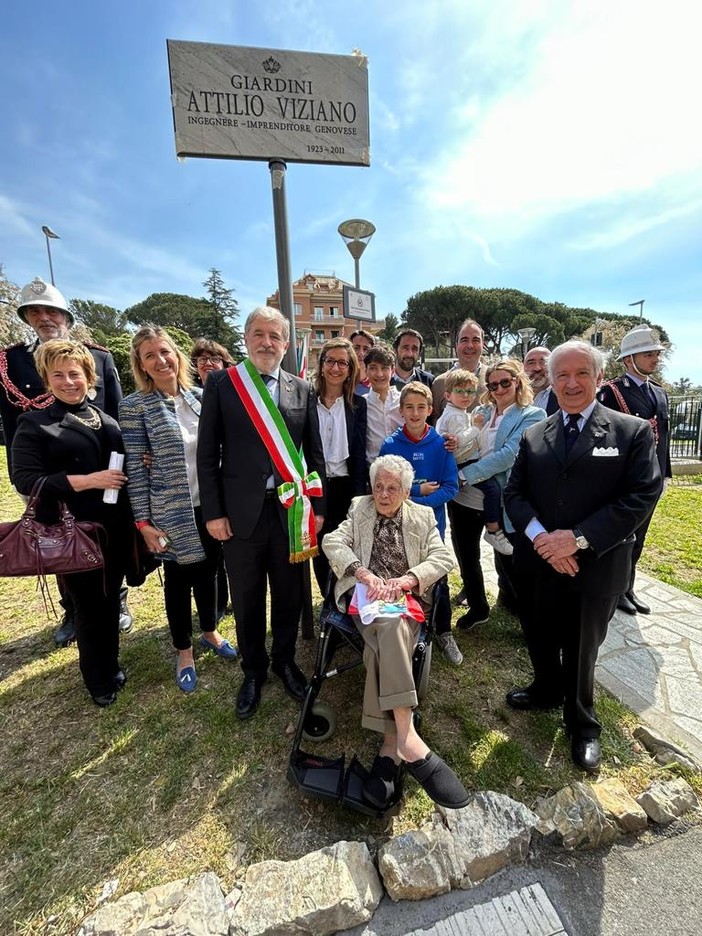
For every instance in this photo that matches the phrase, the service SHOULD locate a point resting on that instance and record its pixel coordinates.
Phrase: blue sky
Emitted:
(549, 146)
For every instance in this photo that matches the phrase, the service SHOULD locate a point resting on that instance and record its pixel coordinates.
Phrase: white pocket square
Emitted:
(606, 452)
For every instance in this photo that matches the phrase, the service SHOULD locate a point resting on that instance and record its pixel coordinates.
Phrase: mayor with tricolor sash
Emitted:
(261, 471)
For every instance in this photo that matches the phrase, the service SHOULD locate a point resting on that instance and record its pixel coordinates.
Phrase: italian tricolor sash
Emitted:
(298, 485)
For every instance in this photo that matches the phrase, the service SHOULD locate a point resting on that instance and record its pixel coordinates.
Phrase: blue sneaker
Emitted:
(187, 679)
(225, 649)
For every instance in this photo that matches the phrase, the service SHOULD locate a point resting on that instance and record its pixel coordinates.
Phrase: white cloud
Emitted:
(607, 106)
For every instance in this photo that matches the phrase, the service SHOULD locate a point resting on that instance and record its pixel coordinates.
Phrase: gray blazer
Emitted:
(161, 494)
(427, 557)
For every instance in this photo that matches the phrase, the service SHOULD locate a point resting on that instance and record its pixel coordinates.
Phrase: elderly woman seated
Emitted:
(392, 547)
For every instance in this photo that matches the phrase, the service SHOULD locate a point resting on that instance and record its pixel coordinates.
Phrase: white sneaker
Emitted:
(448, 646)
(499, 542)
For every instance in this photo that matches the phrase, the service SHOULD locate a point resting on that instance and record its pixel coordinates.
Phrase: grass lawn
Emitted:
(162, 785)
(673, 551)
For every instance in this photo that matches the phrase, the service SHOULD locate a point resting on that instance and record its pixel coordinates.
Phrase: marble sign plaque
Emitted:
(238, 102)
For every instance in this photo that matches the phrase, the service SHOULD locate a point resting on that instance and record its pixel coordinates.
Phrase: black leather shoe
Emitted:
(293, 679)
(526, 700)
(65, 633)
(104, 700)
(625, 605)
(472, 618)
(249, 697)
(587, 753)
(120, 680)
(638, 604)
(125, 616)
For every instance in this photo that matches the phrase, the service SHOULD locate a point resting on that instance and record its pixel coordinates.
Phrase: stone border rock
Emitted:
(338, 887)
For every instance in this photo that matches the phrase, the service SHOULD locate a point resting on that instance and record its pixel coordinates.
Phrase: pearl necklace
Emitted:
(93, 421)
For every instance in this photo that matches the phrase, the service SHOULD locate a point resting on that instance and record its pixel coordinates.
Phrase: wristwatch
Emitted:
(580, 541)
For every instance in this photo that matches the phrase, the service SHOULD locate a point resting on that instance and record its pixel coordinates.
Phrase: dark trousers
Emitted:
(95, 604)
(192, 579)
(564, 629)
(638, 548)
(339, 492)
(253, 563)
(492, 500)
(466, 531)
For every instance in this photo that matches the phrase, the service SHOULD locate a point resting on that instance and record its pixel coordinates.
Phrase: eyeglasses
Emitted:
(333, 362)
(464, 391)
(209, 359)
(504, 383)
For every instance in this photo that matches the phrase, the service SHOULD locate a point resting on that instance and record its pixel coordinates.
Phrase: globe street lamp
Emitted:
(49, 234)
(356, 234)
(526, 334)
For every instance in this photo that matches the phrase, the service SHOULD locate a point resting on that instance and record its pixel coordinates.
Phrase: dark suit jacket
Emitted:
(52, 443)
(22, 372)
(639, 404)
(607, 496)
(356, 425)
(232, 462)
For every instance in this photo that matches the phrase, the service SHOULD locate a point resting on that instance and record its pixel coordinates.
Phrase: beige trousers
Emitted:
(387, 654)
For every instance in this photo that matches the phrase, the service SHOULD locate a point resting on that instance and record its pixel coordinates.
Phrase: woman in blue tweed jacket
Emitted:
(160, 421)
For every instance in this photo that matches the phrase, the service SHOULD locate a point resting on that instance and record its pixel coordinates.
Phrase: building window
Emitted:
(334, 311)
(319, 335)
(335, 332)
(298, 308)
(318, 313)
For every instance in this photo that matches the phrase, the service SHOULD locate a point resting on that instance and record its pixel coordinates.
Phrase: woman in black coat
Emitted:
(69, 444)
(342, 427)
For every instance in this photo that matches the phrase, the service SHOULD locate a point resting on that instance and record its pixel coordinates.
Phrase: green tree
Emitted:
(222, 327)
(184, 312)
(389, 330)
(102, 320)
(12, 328)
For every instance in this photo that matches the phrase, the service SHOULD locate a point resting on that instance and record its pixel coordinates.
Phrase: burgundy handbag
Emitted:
(28, 547)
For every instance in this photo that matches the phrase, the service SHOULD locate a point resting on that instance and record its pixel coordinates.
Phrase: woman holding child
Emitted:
(505, 413)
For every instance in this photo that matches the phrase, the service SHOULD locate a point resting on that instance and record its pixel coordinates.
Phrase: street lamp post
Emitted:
(49, 234)
(356, 234)
(639, 303)
(526, 334)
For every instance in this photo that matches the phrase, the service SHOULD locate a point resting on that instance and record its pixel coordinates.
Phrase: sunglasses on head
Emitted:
(504, 383)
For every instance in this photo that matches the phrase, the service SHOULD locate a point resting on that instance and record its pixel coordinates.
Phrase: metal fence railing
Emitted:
(686, 427)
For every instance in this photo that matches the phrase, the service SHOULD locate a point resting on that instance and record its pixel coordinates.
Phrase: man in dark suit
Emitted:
(240, 504)
(636, 393)
(408, 345)
(45, 310)
(584, 480)
(536, 367)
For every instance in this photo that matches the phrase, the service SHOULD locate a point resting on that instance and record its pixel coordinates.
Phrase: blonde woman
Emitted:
(161, 420)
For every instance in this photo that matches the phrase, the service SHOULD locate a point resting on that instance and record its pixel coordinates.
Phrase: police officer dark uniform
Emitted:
(636, 393)
(45, 310)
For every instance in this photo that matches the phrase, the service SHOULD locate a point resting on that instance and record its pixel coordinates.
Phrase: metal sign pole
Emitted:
(282, 250)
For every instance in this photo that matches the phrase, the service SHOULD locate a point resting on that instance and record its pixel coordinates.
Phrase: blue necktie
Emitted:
(571, 431)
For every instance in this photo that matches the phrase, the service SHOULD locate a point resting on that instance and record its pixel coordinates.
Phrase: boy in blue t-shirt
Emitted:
(435, 483)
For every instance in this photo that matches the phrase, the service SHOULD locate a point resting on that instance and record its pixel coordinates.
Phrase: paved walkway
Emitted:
(652, 662)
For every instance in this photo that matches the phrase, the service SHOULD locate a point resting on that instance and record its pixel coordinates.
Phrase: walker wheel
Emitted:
(320, 723)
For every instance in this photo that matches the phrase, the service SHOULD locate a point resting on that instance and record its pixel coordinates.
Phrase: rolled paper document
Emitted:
(116, 462)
